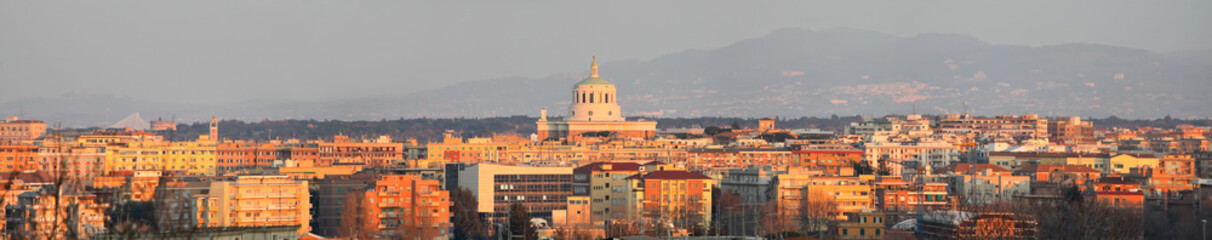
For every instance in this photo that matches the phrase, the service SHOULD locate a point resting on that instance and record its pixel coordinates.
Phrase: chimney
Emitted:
(543, 114)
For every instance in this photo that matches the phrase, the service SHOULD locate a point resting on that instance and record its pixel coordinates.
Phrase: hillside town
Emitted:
(591, 173)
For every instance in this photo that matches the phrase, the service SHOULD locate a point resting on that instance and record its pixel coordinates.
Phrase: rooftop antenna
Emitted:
(965, 107)
(914, 108)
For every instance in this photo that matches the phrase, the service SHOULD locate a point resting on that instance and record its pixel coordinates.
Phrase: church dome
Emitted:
(594, 81)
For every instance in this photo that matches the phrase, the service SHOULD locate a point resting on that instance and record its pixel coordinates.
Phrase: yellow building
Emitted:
(1123, 163)
(861, 225)
(194, 158)
(1013, 160)
(303, 173)
(851, 194)
(134, 156)
(473, 150)
(254, 201)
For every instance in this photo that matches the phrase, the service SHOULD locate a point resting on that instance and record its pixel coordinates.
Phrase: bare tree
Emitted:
(1074, 216)
(816, 211)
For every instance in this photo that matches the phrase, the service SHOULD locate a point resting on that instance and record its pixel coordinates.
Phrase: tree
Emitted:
(776, 137)
(519, 223)
(862, 167)
(727, 212)
(817, 210)
(621, 228)
(735, 125)
(573, 234)
(1071, 217)
(467, 221)
(713, 130)
(596, 134)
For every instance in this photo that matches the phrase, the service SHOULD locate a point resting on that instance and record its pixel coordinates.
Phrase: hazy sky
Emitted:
(229, 51)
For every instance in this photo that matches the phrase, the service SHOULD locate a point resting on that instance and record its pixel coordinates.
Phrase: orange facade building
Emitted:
(1120, 192)
(681, 198)
(829, 159)
(378, 153)
(233, 156)
(396, 207)
(18, 157)
(738, 157)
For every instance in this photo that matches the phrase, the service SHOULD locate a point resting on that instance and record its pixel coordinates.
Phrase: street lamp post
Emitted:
(1204, 226)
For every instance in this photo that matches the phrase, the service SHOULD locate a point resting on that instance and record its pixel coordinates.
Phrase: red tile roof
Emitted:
(1050, 154)
(675, 175)
(1054, 167)
(966, 167)
(26, 177)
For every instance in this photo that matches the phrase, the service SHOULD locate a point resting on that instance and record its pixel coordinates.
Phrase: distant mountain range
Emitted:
(790, 72)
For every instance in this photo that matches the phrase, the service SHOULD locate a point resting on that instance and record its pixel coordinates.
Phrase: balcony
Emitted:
(280, 219)
(251, 196)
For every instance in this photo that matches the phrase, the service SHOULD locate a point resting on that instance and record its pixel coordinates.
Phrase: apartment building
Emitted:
(738, 157)
(49, 213)
(14, 129)
(680, 198)
(197, 157)
(754, 184)
(396, 207)
(606, 186)
(379, 152)
(866, 225)
(18, 157)
(77, 164)
(541, 189)
(241, 201)
(983, 183)
(827, 158)
(852, 194)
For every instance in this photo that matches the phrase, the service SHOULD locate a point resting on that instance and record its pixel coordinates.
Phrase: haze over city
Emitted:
(206, 56)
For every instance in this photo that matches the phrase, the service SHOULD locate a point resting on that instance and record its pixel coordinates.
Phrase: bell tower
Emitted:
(214, 128)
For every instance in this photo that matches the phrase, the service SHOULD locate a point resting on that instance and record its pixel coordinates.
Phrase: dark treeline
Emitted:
(431, 129)
(1164, 122)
